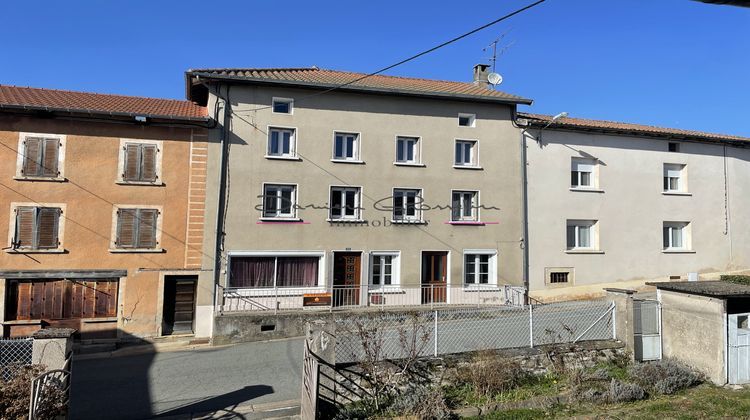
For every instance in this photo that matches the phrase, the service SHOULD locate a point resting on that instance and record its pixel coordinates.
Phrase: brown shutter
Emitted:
(147, 228)
(148, 162)
(37, 300)
(47, 227)
(89, 299)
(32, 156)
(25, 218)
(76, 308)
(126, 228)
(23, 310)
(132, 163)
(50, 154)
(113, 291)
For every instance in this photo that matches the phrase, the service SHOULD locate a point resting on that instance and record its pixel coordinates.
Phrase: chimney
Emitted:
(480, 75)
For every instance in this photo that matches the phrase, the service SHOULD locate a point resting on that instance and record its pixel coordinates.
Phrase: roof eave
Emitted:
(291, 83)
(81, 111)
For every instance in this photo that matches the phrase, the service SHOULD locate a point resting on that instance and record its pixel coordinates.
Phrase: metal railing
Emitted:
(237, 299)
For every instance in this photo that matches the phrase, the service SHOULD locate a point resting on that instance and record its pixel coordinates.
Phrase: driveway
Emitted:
(183, 382)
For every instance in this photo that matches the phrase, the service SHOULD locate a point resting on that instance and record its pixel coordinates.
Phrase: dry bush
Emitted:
(489, 374)
(424, 402)
(624, 392)
(15, 393)
(664, 376)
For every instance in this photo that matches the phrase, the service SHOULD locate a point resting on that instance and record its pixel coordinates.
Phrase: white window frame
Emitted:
(578, 225)
(21, 157)
(278, 215)
(418, 200)
(60, 228)
(578, 166)
(281, 291)
(685, 236)
(417, 160)
(492, 267)
(113, 231)
(121, 162)
(472, 119)
(341, 189)
(474, 217)
(289, 101)
(395, 270)
(356, 145)
(473, 157)
(678, 169)
(292, 143)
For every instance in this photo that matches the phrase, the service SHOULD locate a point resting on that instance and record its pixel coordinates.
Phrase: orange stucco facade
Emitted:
(89, 193)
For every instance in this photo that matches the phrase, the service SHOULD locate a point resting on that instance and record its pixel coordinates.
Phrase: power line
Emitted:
(415, 56)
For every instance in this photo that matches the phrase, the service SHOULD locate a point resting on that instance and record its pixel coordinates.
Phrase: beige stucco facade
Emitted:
(378, 120)
(89, 190)
(629, 205)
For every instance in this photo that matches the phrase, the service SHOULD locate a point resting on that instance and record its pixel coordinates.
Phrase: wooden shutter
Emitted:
(148, 162)
(50, 157)
(25, 218)
(23, 307)
(47, 227)
(32, 152)
(132, 162)
(147, 228)
(126, 228)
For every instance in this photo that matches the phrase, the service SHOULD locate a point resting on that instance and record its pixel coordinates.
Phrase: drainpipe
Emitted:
(221, 210)
(524, 205)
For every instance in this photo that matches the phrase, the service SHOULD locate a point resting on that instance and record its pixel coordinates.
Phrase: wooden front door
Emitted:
(179, 304)
(346, 278)
(434, 276)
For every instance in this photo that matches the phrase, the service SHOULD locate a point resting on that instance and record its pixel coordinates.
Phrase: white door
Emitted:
(739, 348)
(647, 329)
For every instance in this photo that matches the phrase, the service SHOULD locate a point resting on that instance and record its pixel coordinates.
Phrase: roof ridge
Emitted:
(256, 69)
(658, 127)
(424, 79)
(95, 93)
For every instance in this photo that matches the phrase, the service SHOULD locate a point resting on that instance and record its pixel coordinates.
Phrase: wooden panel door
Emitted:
(179, 305)
(434, 276)
(347, 267)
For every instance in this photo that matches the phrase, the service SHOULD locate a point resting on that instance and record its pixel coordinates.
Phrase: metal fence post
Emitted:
(614, 320)
(531, 325)
(435, 334)
(275, 299)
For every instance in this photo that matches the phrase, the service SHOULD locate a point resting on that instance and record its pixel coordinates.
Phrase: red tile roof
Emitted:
(625, 128)
(313, 76)
(15, 97)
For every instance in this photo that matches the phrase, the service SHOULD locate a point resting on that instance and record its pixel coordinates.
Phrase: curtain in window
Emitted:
(251, 272)
(297, 271)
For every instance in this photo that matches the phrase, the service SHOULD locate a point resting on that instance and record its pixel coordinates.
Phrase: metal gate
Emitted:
(739, 348)
(647, 329)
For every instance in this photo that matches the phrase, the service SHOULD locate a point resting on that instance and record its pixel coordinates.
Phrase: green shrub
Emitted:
(736, 278)
(664, 376)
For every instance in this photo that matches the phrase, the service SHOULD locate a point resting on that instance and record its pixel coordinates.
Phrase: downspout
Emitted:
(221, 208)
(524, 206)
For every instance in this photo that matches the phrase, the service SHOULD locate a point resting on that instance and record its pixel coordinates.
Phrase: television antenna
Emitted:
(495, 52)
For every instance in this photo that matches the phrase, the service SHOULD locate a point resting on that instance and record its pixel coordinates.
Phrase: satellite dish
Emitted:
(494, 79)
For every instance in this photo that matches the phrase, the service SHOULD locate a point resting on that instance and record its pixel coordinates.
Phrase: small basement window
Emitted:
(674, 147)
(559, 276)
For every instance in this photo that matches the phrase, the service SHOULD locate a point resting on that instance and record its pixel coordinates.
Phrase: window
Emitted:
(73, 298)
(581, 234)
(281, 142)
(136, 228)
(674, 147)
(139, 162)
(384, 270)
(465, 153)
(464, 206)
(282, 105)
(479, 267)
(466, 120)
(406, 205)
(345, 203)
(40, 156)
(279, 200)
(582, 173)
(674, 178)
(675, 236)
(346, 146)
(37, 228)
(559, 276)
(407, 150)
(274, 271)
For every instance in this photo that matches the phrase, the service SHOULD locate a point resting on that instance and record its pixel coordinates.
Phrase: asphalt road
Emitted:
(182, 382)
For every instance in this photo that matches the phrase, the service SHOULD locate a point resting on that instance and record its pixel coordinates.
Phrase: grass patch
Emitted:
(530, 387)
(519, 414)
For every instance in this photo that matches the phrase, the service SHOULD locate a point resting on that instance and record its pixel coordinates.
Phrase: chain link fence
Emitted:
(14, 351)
(398, 335)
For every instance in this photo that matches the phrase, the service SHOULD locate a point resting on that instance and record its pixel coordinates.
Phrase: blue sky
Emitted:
(676, 63)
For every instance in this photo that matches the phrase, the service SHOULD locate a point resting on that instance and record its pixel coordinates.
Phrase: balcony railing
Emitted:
(235, 299)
